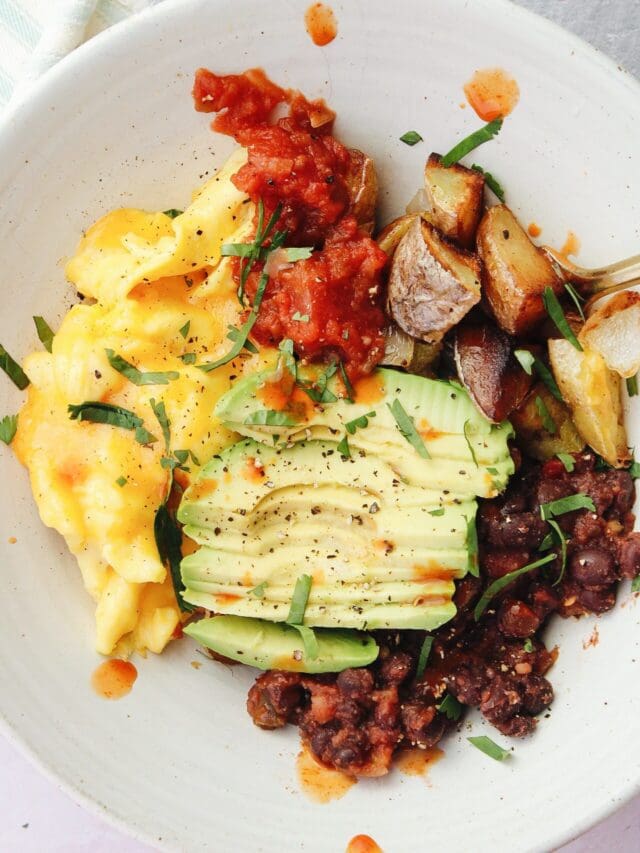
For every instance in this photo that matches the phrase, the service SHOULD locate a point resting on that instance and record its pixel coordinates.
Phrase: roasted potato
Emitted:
(401, 350)
(392, 233)
(487, 368)
(362, 183)
(432, 283)
(592, 392)
(456, 195)
(613, 330)
(515, 272)
(531, 434)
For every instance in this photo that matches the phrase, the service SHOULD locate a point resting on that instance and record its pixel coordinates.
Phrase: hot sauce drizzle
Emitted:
(363, 844)
(114, 678)
(321, 24)
(320, 783)
(492, 93)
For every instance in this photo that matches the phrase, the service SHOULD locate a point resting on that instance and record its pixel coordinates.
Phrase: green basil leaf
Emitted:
(121, 481)
(547, 421)
(160, 412)
(136, 376)
(359, 423)
(498, 585)
(438, 511)
(576, 298)
(45, 332)
(105, 413)
(168, 536)
(450, 707)
(13, 370)
(407, 428)
(184, 331)
(299, 600)
(411, 137)
(298, 254)
(473, 566)
(259, 590)
(173, 212)
(554, 310)
(347, 384)
(526, 359)
(469, 143)
(635, 584)
(527, 646)
(632, 385)
(423, 658)
(491, 182)
(489, 747)
(469, 445)
(188, 358)
(310, 641)
(8, 428)
(562, 542)
(269, 417)
(343, 448)
(567, 460)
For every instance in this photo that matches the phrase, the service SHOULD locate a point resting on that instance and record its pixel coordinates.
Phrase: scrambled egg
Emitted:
(149, 276)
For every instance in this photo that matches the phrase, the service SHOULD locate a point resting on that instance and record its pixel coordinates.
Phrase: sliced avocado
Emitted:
(467, 454)
(274, 645)
(382, 553)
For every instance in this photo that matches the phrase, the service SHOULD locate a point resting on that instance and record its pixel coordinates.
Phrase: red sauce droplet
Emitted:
(113, 679)
(320, 783)
(363, 844)
(534, 229)
(492, 93)
(571, 245)
(416, 762)
(321, 24)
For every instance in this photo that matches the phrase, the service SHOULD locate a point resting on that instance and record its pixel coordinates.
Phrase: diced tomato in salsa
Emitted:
(297, 163)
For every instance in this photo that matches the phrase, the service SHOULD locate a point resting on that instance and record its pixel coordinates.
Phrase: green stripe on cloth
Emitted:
(19, 23)
(6, 86)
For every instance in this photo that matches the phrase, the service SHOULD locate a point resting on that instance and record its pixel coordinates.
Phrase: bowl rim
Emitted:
(20, 108)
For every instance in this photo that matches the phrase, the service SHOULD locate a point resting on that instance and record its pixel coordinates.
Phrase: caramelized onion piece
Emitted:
(489, 371)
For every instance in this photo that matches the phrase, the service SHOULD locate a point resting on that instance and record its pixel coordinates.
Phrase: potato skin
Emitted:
(390, 236)
(362, 183)
(515, 272)
(613, 330)
(457, 196)
(432, 283)
(531, 435)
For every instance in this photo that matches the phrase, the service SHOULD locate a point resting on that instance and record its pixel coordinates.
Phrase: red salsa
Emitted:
(297, 163)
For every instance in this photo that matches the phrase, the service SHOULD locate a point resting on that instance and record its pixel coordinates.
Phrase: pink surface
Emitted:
(36, 816)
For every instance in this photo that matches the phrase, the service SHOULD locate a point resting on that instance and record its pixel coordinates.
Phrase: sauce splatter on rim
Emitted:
(416, 762)
(534, 230)
(492, 93)
(571, 245)
(321, 24)
(114, 678)
(363, 844)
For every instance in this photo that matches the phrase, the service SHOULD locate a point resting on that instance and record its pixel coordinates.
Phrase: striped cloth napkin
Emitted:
(34, 34)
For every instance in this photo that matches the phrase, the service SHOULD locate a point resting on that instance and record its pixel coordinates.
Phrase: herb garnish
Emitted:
(528, 646)
(318, 391)
(472, 548)
(358, 423)
(562, 542)
(343, 448)
(411, 137)
(351, 394)
(567, 460)
(160, 412)
(438, 511)
(407, 428)
(298, 253)
(136, 376)
(299, 600)
(577, 299)
(545, 415)
(469, 445)
(105, 413)
(173, 212)
(13, 370)
(270, 417)
(528, 361)
(491, 182)
(121, 481)
(450, 707)
(635, 584)
(188, 358)
(184, 331)
(242, 332)
(499, 584)
(233, 335)
(632, 386)
(554, 310)
(45, 333)
(258, 591)
(489, 747)
(300, 318)
(484, 134)
(564, 505)
(8, 428)
(425, 651)
(256, 250)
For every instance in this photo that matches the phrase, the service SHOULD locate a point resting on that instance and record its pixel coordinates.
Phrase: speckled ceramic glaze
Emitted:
(178, 761)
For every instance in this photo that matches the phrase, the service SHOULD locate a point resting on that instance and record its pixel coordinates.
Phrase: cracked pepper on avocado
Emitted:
(371, 463)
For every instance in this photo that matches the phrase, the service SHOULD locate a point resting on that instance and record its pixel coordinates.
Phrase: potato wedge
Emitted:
(401, 350)
(456, 195)
(613, 330)
(532, 436)
(515, 272)
(487, 368)
(593, 394)
(362, 183)
(392, 233)
(432, 283)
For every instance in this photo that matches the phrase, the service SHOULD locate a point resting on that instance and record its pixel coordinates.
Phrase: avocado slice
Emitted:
(275, 645)
(467, 454)
(382, 553)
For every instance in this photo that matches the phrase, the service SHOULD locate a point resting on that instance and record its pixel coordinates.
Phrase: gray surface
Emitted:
(613, 26)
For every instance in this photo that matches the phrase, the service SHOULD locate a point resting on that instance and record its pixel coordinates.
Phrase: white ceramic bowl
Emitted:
(179, 762)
